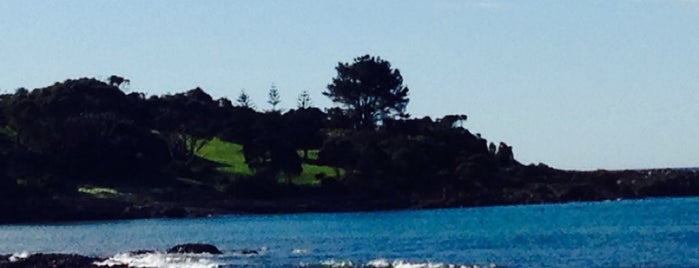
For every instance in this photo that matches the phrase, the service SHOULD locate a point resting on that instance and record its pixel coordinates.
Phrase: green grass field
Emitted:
(230, 157)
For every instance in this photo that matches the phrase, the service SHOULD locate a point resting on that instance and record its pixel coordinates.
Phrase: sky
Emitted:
(585, 84)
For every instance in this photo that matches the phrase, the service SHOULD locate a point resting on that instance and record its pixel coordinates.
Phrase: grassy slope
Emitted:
(232, 162)
(230, 156)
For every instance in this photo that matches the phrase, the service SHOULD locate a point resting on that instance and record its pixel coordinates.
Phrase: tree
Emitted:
(369, 90)
(454, 120)
(504, 154)
(270, 151)
(85, 128)
(115, 80)
(303, 128)
(21, 91)
(244, 100)
(304, 100)
(273, 97)
(186, 121)
(7, 185)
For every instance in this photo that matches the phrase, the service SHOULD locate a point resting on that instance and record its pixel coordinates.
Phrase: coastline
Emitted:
(68, 208)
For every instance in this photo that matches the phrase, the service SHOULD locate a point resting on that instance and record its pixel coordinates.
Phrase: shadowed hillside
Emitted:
(84, 149)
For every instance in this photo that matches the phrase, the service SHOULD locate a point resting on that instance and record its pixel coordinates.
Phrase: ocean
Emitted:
(662, 232)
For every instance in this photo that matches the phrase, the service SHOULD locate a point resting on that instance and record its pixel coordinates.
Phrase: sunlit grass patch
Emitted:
(99, 192)
(312, 154)
(311, 171)
(230, 156)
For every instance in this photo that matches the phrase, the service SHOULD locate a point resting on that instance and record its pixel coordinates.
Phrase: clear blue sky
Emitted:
(575, 84)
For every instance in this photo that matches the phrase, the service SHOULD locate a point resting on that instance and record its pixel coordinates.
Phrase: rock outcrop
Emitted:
(194, 248)
(49, 260)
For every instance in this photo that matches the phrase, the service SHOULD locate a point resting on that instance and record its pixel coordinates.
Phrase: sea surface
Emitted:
(626, 233)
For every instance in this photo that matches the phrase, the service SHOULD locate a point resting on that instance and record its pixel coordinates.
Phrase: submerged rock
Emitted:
(249, 252)
(194, 248)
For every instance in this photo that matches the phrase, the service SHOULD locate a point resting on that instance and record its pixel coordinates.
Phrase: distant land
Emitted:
(694, 169)
(83, 149)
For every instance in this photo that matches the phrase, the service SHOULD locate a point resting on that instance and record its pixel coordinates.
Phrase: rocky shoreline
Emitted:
(49, 260)
(183, 255)
(544, 186)
(59, 260)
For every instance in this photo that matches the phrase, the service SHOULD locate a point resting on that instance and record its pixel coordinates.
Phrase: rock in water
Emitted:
(249, 252)
(4, 259)
(52, 260)
(194, 248)
(142, 252)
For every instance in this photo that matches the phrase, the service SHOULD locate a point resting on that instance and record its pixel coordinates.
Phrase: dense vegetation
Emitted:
(85, 136)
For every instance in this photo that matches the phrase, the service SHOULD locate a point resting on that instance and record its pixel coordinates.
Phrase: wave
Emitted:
(160, 259)
(19, 255)
(238, 258)
(385, 263)
(300, 251)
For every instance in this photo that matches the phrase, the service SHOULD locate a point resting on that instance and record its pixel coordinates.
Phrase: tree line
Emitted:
(85, 129)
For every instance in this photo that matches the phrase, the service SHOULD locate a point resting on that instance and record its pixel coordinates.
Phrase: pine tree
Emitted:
(304, 100)
(244, 100)
(273, 97)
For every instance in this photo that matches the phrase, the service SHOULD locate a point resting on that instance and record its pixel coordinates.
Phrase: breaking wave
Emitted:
(159, 259)
(19, 255)
(386, 263)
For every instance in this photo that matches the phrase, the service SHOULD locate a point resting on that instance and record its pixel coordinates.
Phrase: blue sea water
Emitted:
(627, 233)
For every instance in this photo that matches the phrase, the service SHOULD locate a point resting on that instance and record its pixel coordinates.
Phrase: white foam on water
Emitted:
(379, 263)
(336, 263)
(385, 263)
(299, 251)
(19, 255)
(405, 264)
(161, 260)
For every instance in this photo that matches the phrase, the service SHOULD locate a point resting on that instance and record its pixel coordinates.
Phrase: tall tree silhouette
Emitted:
(273, 97)
(303, 127)
(270, 151)
(244, 100)
(369, 90)
(186, 121)
(304, 100)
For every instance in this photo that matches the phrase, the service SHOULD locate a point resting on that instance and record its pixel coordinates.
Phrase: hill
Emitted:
(83, 149)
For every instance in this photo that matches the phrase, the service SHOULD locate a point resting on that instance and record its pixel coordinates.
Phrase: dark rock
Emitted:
(51, 260)
(194, 248)
(249, 252)
(142, 252)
